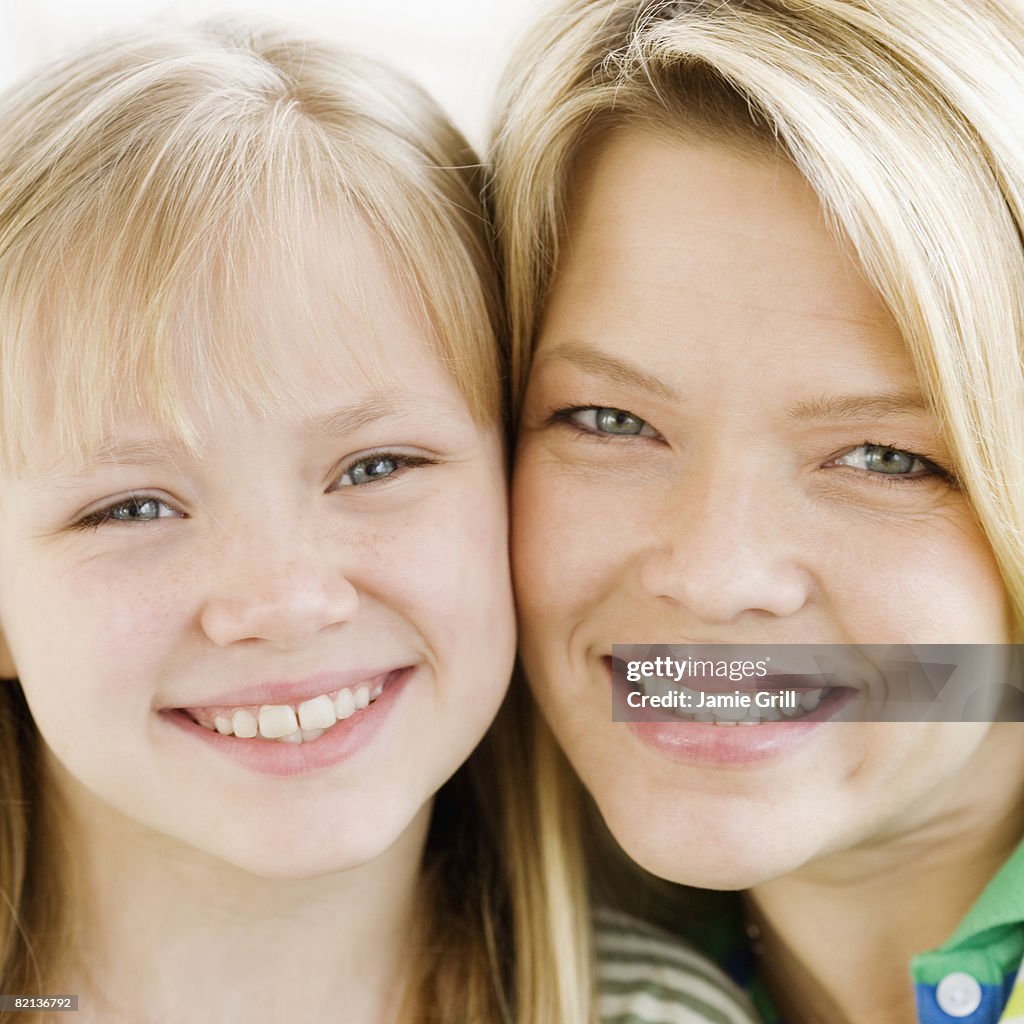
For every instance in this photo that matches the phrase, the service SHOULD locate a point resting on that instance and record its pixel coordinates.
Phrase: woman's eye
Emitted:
(139, 508)
(603, 420)
(380, 466)
(877, 458)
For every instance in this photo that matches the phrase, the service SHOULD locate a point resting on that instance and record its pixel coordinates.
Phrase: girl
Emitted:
(255, 610)
(766, 280)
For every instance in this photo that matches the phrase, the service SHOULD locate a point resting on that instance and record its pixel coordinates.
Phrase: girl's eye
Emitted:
(603, 420)
(138, 508)
(878, 458)
(379, 466)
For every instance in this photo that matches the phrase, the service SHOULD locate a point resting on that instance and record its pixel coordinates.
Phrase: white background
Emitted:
(456, 48)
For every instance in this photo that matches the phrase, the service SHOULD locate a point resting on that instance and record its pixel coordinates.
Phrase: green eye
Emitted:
(877, 458)
(618, 422)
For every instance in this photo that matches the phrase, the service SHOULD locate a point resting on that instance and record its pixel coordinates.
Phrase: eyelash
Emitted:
(564, 416)
(402, 462)
(937, 472)
(103, 516)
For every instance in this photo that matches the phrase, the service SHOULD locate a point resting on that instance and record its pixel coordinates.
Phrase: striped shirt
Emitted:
(646, 976)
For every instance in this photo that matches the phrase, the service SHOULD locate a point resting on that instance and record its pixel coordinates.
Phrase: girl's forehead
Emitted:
(319, 317)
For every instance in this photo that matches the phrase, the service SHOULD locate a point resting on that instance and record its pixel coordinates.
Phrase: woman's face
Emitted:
(724, 441)
(331, 577)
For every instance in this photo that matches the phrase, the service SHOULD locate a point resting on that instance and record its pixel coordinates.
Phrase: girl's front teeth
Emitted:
(302, 724)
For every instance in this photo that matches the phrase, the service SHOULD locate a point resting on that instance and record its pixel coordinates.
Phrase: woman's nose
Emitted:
(281, 590)
(725, 550)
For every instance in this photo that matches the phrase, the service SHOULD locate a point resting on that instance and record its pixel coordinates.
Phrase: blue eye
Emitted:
(888, 461)
(377, 467)
(136, 508)
(609, 422)
(380, 466)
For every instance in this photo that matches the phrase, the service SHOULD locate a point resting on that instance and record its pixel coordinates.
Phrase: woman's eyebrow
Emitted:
(619, 371)
(858, 407)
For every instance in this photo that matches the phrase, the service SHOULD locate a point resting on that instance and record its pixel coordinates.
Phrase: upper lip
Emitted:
(293, 691)
(772, 680)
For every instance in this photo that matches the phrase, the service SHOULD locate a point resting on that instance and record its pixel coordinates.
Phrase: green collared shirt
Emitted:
(976, 977)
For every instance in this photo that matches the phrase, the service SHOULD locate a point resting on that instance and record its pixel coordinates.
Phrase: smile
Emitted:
(749, 708)
(301, 722)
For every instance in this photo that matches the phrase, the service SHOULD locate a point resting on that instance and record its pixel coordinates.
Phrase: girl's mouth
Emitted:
(301, 722)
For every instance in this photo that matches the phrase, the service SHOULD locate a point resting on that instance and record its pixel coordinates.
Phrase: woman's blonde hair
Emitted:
(140, 181)
(903, 115)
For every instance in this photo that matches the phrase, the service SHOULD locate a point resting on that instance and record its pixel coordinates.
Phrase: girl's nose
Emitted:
(284, 597)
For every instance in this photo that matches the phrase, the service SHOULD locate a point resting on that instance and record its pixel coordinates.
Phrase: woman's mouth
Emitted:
(758, 707)
(299, 722)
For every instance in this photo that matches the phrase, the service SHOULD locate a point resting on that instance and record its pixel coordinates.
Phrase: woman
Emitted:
(766, 281)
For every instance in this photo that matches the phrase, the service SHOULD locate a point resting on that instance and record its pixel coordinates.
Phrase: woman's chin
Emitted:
(719, 855)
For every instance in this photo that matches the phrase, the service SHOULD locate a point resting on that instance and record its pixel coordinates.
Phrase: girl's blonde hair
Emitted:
(903, 115)
(141, 182)
(137, 181)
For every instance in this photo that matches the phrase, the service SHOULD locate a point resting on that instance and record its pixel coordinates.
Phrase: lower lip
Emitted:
(706, 743)
(342, 741)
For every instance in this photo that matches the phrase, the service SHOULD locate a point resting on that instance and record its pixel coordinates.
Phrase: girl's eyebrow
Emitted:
(351, 418)
(169, 451)
(159, 451)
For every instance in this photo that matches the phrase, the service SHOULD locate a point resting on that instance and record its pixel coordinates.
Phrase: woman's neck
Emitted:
(168, 932)
(837, 936)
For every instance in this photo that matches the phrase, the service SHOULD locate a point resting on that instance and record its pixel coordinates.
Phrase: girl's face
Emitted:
(331, 577)
(724, 441)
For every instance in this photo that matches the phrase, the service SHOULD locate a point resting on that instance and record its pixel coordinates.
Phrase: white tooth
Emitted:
(731, 714)
(224, 726)
(724, 721)
(246, 724)
(362, 696)
(206, 725)
(690, 697)
(317, 713)
(376, 691)
(344, 704)
(308, 735)
(704, 715)
(810, 699)
(792, 712)
(749, 721)
(771, 714)
(277, 720)
(292, 737)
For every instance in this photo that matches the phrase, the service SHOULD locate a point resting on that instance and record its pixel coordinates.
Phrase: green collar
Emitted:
(989, 941)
